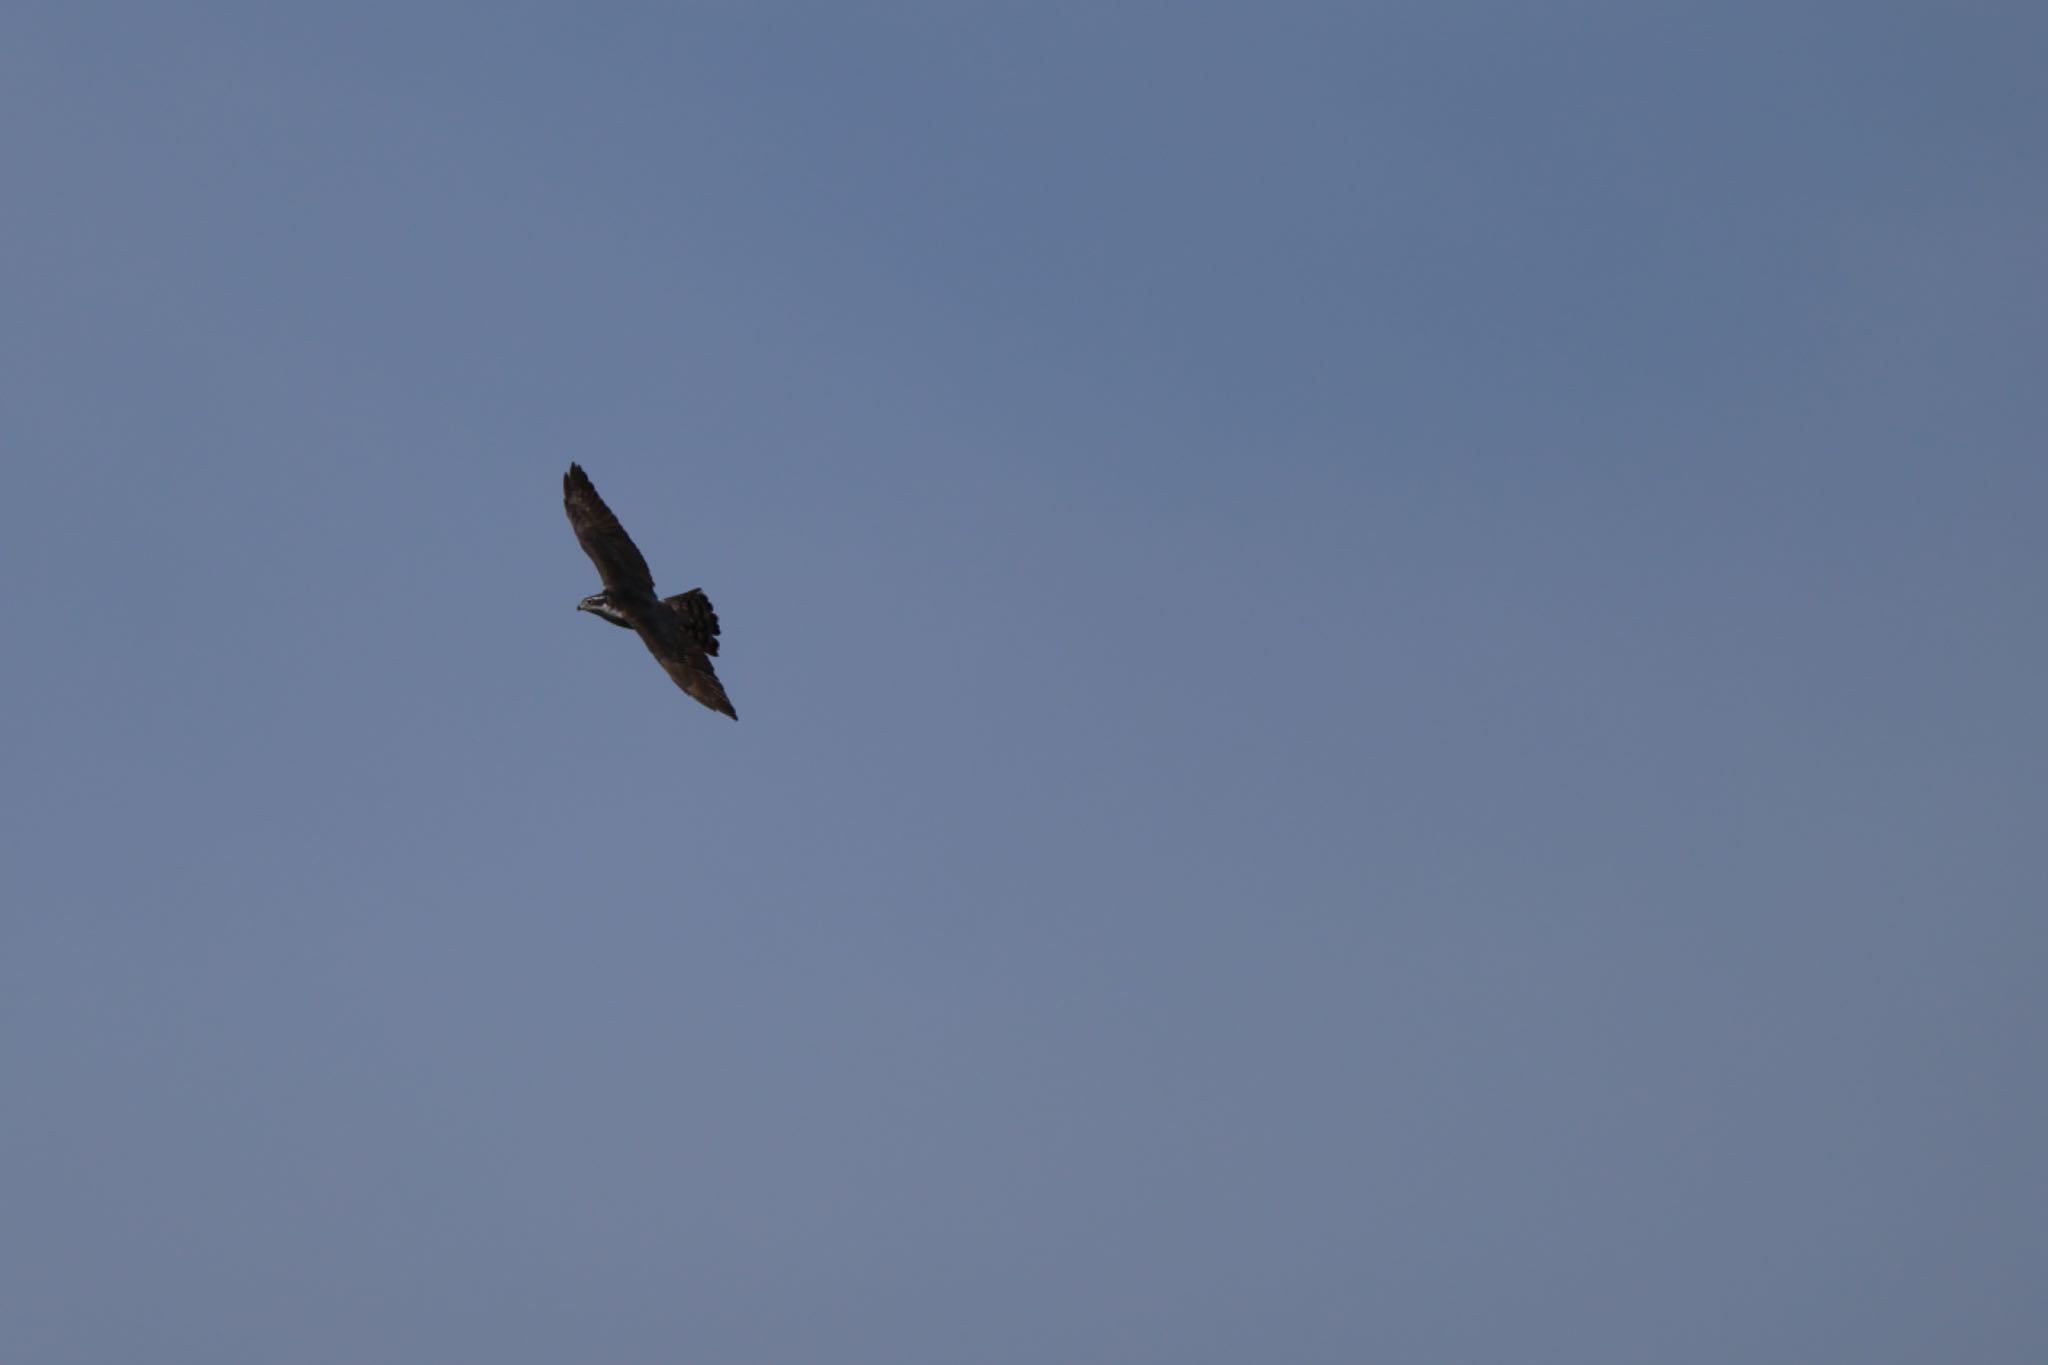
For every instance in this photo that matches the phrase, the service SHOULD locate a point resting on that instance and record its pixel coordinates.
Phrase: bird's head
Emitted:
(600, 606)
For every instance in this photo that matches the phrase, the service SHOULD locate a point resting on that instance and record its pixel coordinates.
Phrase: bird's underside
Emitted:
(681, 632)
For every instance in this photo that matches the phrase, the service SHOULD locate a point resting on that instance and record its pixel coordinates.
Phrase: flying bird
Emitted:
(681, 632)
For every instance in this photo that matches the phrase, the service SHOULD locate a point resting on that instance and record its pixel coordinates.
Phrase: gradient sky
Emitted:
(1390, 664)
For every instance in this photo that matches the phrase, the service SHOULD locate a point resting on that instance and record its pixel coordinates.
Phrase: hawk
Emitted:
(681, 632)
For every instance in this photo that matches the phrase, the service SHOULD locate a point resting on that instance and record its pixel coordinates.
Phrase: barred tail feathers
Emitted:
(699, 621)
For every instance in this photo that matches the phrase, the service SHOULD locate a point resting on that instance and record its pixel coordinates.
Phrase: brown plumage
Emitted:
(681, 632)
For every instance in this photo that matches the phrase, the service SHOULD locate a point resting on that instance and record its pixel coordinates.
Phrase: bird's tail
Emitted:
(699, 621)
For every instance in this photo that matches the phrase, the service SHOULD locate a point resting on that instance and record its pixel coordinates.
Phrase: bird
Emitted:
(681, 632)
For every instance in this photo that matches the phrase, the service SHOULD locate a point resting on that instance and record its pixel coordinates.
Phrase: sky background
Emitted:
(1390, 664)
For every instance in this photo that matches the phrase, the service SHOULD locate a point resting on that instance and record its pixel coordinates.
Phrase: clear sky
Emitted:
(1390, 663)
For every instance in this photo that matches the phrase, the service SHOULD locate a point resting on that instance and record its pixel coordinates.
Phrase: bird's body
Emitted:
(681, 632)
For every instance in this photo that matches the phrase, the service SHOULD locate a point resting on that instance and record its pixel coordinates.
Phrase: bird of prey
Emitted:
(681, 632)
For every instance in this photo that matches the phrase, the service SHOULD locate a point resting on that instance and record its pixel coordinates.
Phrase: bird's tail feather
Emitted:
(699, 621)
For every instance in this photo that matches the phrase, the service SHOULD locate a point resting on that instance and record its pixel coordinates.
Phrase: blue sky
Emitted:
(1389, 660)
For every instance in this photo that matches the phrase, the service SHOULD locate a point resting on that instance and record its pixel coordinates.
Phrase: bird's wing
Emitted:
(618, 560)
(690, 667)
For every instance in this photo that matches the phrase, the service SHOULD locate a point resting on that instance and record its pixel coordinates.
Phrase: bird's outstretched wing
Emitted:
(691, 670)
(618, 560)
